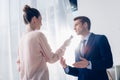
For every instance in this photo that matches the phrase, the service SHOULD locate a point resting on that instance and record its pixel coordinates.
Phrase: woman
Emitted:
(34, 50)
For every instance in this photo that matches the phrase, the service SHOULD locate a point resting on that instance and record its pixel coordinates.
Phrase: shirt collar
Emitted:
(87, 37)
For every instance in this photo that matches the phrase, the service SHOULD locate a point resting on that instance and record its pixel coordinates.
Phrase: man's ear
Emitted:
(86, 25)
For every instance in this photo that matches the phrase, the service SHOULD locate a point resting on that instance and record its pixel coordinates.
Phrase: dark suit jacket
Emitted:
(97, 51)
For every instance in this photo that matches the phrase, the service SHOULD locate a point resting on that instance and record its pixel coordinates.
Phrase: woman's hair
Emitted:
(29, 13)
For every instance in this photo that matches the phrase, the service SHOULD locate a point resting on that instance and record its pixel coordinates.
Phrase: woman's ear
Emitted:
(33, 20)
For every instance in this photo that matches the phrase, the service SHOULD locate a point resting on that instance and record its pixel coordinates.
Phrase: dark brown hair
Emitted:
(29, 13)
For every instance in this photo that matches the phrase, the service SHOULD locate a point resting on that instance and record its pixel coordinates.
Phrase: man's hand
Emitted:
(82, 64)
(63, 63)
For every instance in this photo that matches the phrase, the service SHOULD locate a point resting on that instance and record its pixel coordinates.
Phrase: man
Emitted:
(91, 61)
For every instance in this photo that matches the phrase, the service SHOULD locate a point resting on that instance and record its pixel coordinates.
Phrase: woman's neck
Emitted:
(29, 28)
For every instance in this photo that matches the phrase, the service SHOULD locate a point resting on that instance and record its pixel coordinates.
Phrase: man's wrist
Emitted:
(64, 66)
(89, 66)
(66, 69)
(88, 63)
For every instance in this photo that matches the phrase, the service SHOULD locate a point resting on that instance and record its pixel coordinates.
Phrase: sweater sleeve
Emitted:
(47, 52)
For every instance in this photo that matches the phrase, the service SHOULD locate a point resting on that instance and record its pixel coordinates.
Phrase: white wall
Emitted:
(105, 17)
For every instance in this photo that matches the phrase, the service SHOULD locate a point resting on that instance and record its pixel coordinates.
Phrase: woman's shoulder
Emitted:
(34, 35)
(37, 34)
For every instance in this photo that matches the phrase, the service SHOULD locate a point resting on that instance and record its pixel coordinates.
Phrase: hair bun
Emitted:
(26, 8)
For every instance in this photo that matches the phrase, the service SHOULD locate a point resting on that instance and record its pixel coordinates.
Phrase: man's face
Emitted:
(78, 27)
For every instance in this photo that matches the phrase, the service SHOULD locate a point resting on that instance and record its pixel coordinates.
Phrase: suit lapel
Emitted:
(89, 44)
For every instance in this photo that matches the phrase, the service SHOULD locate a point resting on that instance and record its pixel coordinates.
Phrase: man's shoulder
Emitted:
(98, 35)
